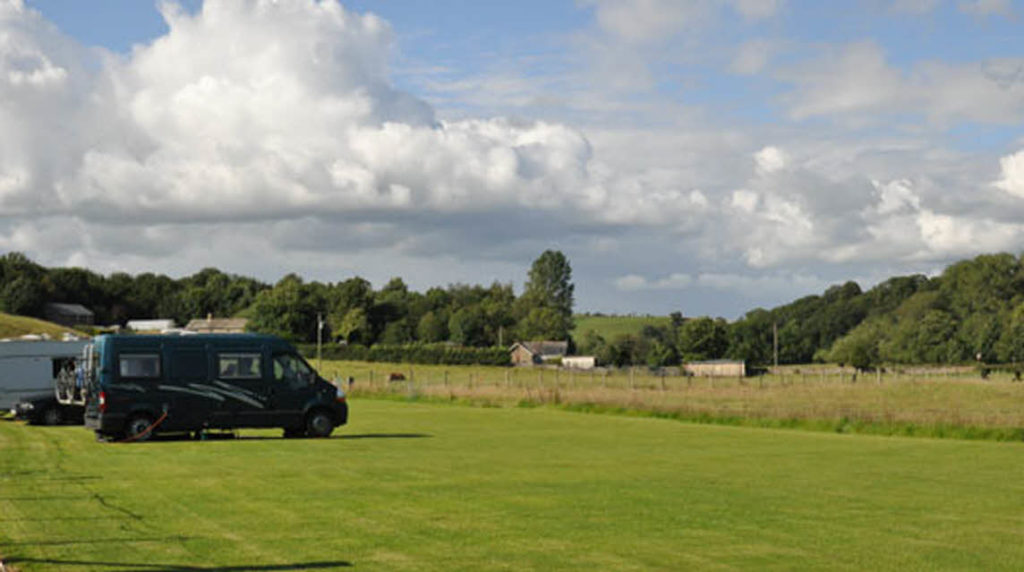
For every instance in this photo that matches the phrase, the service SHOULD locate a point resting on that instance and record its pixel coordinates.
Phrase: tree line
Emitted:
(351, 309)
(973, 311)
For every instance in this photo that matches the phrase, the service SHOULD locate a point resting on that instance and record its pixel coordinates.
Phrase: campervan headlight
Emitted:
(339, 395)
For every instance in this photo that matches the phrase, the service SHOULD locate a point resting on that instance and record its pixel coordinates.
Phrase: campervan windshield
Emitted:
(292, 369)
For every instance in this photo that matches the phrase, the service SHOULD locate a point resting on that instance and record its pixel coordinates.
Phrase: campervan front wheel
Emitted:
(319, 424)
(135, 428)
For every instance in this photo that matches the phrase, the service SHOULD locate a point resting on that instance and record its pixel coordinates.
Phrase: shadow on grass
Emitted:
(334, 437)
(179, 437)
(386, 436)
(137, 567)
(41, 498)
(61, 519)
(97, 541)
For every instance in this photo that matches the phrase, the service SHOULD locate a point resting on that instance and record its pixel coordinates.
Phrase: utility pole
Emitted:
(319, 341)
(775, 343)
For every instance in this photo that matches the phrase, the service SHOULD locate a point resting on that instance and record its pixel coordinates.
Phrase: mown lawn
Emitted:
(413, 486)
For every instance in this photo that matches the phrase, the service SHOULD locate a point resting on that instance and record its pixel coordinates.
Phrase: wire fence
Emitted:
(957, 397)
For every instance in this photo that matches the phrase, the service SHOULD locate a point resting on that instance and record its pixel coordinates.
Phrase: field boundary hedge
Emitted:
(425, 354)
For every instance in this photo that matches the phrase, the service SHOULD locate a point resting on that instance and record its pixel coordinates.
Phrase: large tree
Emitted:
(289, 310)
(548, 297)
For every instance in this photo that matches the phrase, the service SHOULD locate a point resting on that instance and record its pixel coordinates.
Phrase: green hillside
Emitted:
(16, 326)
(608, 327)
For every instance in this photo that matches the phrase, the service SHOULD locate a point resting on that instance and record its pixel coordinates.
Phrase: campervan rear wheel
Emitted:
(135, 428)
(319, 424)
(51, 416)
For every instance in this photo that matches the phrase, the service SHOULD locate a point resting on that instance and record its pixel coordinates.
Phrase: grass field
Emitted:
(15, 326)
(611, 326)
(412, 486)
(934, 404)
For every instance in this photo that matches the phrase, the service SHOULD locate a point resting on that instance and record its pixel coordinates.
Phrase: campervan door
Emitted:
(30, 367)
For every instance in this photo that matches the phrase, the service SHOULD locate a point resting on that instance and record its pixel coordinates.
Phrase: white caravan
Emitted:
(31, 367)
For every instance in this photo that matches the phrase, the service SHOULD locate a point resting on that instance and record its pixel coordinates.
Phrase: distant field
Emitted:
(411, 486)
(16, 326)
(611, 326)
(959, 404)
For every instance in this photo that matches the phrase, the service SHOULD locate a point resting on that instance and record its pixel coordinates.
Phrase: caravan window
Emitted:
(140, 366)
(239, 366)
(62, 363)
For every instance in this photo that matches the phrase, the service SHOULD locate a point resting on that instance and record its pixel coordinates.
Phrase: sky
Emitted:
(702, 156)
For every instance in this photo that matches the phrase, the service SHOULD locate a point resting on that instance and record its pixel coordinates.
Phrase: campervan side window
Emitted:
(140, 366)
(239, 366)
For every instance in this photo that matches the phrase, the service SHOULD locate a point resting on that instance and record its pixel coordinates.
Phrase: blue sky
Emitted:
(708, 156)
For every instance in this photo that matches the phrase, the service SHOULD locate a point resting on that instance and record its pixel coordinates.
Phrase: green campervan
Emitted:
(135, 386)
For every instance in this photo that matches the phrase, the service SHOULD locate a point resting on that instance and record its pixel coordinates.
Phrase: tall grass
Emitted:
(956, 403)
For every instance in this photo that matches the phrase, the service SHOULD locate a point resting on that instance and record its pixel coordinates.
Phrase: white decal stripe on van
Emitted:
(206, 394)
(232, 394)
(234, 389)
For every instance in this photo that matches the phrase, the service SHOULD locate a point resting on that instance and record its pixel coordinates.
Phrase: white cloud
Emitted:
(756, 9)
(642, 21)
(753, 57)
(770, 159)
(915, 7)
(246, 108)
(744, 200)
(645, 21)
(987, 7)
(896, 196)
(636, 283)
(857, 81)
(762, 285)
(958, 236)
(1012, 180)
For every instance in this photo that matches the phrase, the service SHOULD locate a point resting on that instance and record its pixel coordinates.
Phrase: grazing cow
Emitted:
(394, 376)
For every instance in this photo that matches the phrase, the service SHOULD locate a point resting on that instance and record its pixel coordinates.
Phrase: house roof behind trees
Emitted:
(544, 349)
(158, 325)
(210, 325)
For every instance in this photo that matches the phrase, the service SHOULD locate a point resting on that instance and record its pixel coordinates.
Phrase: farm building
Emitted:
(150, 326)
(579, 362)
(536, 353)
(68, 314)
(716, 368)
(211, 325)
